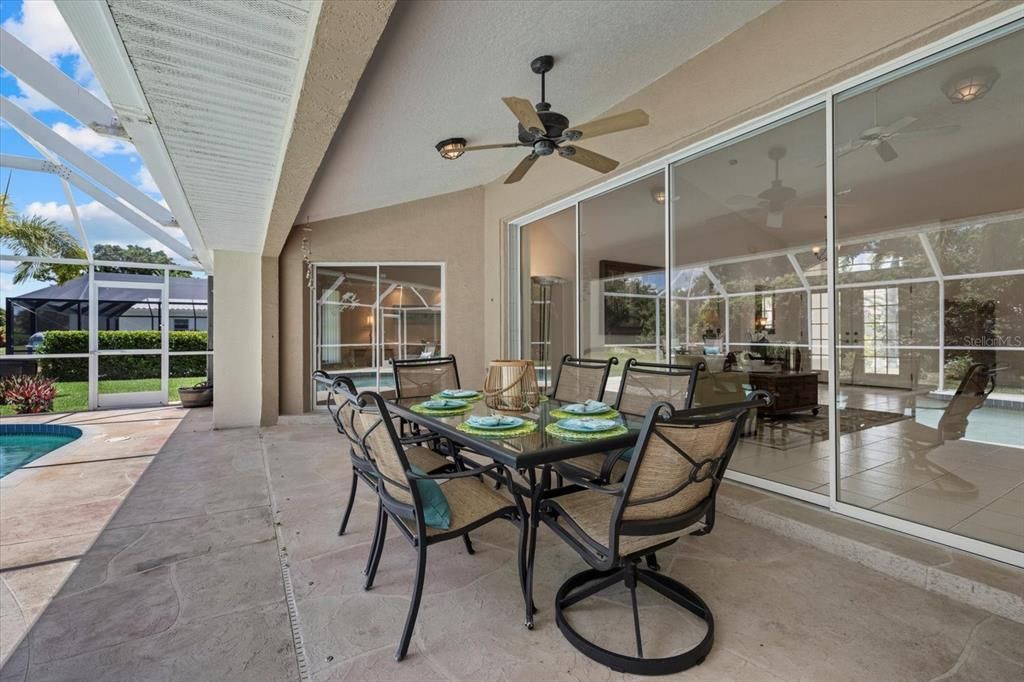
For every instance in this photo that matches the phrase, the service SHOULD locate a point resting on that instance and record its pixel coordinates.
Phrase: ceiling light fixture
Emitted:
(970, 86)
(659, 197)
(819, 253)
(452, 148)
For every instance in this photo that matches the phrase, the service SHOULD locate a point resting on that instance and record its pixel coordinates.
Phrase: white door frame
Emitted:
(141, 398)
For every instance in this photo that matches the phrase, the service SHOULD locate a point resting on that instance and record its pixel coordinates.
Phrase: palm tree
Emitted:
(36, 236)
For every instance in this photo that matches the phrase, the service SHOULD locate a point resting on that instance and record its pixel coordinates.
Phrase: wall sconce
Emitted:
(451, 148)
(659, 197)
(970, 86)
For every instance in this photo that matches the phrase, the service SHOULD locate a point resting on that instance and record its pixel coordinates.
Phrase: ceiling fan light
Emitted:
(659, 197)
(970, 87)
(451, 148)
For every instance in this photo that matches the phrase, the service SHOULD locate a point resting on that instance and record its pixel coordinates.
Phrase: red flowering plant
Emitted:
(28, 394)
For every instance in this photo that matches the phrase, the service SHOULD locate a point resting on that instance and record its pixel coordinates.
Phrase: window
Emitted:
(368, 315)
(180, 324)
(882, 330)
(819, 330)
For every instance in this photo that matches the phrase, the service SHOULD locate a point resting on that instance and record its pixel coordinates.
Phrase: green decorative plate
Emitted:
(428, 412)
(527, 428)
(565, 434)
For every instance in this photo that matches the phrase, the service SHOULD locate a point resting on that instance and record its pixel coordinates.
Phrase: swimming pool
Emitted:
(24, 443)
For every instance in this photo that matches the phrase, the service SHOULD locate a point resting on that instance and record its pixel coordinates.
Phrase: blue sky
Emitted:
(38, 24)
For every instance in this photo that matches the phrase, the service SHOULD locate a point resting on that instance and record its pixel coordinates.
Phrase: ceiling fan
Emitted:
(546, 131)
(880, 138)
(774, 198)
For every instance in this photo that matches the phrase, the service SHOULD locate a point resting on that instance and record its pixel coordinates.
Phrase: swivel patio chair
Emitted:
(581, 379)
(670, 485)
(472, 503)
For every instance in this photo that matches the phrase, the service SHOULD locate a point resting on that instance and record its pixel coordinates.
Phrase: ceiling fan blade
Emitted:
(527, 115)
(585, 157)
(637, 118)
(899, 125)
(519, 171)
(478, 147)
(886, 151)
(938, 130)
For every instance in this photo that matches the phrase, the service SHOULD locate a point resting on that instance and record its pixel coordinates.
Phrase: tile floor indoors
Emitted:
(185, 583)
(968, 486)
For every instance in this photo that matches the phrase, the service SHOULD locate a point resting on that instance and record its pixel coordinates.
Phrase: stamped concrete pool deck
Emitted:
(172, 555)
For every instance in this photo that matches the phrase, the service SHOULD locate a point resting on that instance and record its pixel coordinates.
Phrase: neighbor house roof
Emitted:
(181, 289)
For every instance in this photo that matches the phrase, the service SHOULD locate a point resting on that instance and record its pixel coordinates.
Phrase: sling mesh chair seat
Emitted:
(471, 501)
(643, 384)
(670, 485)
(342, 406)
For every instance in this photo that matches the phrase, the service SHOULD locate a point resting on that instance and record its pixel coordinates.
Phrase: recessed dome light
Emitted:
(970, 86)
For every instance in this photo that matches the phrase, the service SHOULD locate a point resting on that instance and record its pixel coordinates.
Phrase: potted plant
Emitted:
(200, 395)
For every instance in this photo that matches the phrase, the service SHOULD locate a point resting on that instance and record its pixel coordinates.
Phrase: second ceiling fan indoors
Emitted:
(546, 132)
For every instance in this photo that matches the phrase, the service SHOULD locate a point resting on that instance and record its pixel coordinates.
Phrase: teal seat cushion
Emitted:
(436, 512)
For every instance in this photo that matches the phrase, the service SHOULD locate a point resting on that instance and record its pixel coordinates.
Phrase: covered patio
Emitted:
(552, 340)
(229, 541)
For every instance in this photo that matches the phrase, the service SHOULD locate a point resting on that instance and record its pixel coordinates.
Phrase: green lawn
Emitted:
(73, 396)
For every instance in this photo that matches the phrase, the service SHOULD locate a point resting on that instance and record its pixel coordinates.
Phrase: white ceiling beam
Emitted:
(29, 126)
(93, 27)
(54, 85)
(65, 173)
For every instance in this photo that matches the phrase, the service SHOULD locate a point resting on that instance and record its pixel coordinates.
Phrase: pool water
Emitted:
(18, 448)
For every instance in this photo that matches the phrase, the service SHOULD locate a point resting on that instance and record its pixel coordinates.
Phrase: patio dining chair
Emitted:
(671, 485)
(423, 377)
(410, 498)
(341, 405)
(581, 379)
(643, 384)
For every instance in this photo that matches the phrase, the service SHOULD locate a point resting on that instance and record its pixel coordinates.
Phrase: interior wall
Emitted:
(445, 229)
(754, 71)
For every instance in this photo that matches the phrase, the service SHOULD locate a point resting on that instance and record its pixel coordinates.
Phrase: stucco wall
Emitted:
(446, 228)
(790, 52)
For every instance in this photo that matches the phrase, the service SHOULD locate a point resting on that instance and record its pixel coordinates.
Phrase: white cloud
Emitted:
(88, 140)
(42, 28)
(61, 213)
(144, 180)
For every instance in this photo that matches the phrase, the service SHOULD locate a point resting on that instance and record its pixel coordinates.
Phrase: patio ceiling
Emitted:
(442, 68)
(209, 93)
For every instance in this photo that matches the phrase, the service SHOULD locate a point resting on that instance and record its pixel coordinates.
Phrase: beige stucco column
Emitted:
(237, 339)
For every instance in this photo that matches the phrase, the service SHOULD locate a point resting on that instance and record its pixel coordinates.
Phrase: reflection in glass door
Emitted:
(368, 315)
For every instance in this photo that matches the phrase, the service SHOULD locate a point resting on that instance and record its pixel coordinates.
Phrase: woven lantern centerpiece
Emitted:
(511, 385)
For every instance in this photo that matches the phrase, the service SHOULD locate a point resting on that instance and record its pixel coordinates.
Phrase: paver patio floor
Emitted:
(185, 583)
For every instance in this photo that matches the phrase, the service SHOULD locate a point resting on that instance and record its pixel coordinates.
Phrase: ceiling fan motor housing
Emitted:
(554, 124)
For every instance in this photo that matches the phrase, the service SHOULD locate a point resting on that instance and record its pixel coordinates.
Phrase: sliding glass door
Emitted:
(860, 256)
(929, 165)
(368, 315)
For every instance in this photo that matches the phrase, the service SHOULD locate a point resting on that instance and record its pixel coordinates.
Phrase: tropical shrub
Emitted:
(28, 394)
(120, 366)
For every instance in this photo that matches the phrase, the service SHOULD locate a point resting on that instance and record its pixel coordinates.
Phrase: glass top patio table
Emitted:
(519, 452)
